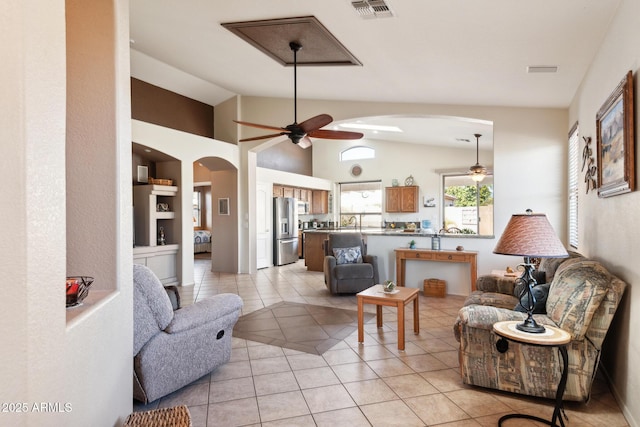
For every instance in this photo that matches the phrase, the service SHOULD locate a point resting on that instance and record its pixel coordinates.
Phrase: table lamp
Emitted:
(531, 236)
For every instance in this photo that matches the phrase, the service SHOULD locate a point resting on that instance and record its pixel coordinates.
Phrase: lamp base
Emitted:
(530, 326)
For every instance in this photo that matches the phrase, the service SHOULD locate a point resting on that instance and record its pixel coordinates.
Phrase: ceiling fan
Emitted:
(299, 133)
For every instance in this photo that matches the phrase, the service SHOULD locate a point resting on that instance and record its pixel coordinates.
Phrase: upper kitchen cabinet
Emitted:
(401, 199)
(319, 202)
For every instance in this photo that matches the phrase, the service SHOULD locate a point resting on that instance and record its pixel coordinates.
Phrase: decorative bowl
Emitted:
(77, 289)
(389, 286)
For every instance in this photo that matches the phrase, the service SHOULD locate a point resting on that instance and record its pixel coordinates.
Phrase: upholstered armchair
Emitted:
(582, 300)
(501, 291)
(348, 269)
(172, 348)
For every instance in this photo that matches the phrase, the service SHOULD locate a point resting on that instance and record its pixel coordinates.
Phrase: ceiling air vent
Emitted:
(371, 9)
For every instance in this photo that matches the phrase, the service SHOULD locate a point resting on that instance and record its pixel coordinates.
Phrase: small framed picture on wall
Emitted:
(223, 206)
(143, 174)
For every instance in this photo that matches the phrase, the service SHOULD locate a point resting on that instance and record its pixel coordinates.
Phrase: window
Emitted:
(361, 204)
(574, 147)
(197, 209)
(357, 153)
(468, 205)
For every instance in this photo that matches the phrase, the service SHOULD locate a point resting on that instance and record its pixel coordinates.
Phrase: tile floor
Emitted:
(370, 384)
(309, 328)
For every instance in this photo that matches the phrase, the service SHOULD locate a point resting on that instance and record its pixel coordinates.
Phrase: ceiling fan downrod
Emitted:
(295, 47)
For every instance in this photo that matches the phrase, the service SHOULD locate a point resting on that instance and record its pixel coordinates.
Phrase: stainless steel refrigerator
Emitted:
(285, 226)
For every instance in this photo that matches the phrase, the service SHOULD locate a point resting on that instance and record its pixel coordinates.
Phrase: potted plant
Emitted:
(412, 244)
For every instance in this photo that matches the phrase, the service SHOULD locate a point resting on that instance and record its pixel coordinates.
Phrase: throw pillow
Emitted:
(576, 294)
(348, 255)
(540, 293)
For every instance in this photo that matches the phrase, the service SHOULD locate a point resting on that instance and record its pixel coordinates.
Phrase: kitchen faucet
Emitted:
(353, 220)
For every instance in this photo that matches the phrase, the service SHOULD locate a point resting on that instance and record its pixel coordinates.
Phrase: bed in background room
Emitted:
(201, 241)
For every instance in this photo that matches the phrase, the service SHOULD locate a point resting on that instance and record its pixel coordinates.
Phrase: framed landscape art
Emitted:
(616, 141)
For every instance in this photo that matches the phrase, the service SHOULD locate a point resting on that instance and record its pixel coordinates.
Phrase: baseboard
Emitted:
(616, 395)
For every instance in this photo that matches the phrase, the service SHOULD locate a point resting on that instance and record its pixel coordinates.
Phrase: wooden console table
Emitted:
(404, 254)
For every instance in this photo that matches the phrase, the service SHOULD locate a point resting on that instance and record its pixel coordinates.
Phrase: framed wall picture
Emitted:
(223, 206)
(616, 141)
(143, 174)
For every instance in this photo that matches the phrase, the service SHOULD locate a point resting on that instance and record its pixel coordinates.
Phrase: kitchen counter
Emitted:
(372, 231)
(315, 237)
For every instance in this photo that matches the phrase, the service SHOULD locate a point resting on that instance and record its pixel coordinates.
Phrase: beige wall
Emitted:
(66, 89)
(609, 229)
(224, 234)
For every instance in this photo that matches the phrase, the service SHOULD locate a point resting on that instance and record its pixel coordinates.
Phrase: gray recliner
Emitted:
(174, 348)
(354, 275)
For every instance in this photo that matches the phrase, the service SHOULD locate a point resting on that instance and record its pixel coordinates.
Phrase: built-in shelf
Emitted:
(149, 250)
(165, 215)
(95, 299)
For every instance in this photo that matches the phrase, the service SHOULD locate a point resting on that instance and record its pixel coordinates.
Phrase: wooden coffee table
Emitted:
(399, 299)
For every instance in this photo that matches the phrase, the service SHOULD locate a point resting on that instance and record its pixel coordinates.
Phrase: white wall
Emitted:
(529, 167)
(609, 229)
(529, 157)
(50, 105)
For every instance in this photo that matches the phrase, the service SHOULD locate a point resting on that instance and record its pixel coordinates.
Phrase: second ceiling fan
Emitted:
(299, 133)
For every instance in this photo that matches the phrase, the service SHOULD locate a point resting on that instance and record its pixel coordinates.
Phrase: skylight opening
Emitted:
(364, 126)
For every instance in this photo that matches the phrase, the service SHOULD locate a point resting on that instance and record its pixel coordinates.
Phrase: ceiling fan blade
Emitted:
(315, 122)
(259, 126)
(305, 142)
(334, 134)
(256, 138)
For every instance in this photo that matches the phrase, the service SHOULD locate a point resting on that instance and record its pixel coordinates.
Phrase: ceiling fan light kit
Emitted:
(300, 133)
(477, 172)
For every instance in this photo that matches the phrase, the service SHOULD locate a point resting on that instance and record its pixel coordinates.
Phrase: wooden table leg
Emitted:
(416, 315)
(400, 308)
(360, 320)
(379, 316)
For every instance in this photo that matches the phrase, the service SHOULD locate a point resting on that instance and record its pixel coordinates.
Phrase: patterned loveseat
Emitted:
(582, 299)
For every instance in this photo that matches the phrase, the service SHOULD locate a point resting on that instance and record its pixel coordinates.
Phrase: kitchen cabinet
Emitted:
(287, 192)
(319, 202)
(401, 199)
(314, 250)
(278, 191)
(317, 199)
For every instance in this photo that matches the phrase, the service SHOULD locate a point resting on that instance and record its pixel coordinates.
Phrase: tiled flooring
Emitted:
(309, 328)
(353, 384)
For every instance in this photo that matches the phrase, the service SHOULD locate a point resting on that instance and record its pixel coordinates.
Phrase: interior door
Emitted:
(264, 247)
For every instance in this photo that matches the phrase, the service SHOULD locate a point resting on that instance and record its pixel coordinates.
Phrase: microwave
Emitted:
(303, 207)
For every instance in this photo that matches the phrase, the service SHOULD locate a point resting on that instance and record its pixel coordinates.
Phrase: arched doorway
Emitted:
(217, 179)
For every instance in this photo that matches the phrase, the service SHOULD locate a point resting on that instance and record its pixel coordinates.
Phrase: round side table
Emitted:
(551, 337)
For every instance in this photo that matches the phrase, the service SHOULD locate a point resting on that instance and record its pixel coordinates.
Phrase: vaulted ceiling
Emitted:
(428, 51)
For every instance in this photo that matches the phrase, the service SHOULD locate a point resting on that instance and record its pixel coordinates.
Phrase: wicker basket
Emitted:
(178, 416)
(435, 288)
(160, 181)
